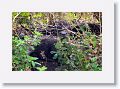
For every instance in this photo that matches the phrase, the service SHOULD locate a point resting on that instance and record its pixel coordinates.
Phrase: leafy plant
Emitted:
(77, 55)
(20, 50)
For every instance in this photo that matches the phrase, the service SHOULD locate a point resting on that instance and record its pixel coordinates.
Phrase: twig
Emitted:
(16, 16)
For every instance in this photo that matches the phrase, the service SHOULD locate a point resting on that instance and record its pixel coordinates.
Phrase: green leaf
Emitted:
(94, 59)
(25, 14)
(38, 63)
(55, 56)
(94, 41)
(32, 58)
(37, 33)
(88, 34)
(95, 66)
(52, 52)
(26, 38)
(14, 14)
(33, 63)
(58, 45)
(100, 68)
(42, 68)
(37, 15)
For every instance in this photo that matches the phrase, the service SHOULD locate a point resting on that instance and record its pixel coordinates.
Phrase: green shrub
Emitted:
(20, 50)
(77, 55)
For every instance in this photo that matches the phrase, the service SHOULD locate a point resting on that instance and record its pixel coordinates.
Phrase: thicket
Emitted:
(75, 50)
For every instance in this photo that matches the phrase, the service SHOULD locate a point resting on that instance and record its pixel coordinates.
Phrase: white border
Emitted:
(104, 76)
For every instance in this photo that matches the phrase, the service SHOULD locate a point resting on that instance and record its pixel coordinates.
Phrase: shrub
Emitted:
(20, 50)
(78, 55)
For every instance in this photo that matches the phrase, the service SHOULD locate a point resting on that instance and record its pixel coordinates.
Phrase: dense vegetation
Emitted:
(56, 41)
